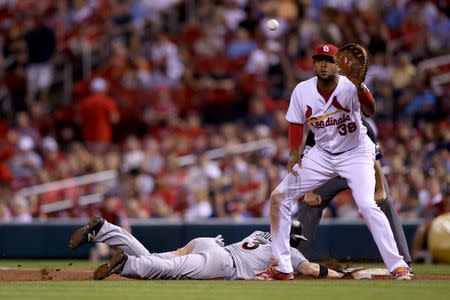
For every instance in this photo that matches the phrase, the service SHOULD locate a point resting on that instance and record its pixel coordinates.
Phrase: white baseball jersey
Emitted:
(336, 123)
(253, 254)
(343, 149)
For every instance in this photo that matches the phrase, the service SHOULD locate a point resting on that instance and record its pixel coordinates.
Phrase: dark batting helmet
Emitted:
(296, 234)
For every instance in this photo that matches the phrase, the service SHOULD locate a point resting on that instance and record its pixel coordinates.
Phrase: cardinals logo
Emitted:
(327, 120)
(308, 112)
(336, 104)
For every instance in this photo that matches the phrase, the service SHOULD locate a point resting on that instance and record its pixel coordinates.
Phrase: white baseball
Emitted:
(272, 24)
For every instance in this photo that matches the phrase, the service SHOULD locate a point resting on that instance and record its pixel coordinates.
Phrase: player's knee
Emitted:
(309, 269)
(366, 207)
(275, 198)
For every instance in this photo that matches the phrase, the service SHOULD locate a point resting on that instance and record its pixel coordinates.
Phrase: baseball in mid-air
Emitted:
(273, 24)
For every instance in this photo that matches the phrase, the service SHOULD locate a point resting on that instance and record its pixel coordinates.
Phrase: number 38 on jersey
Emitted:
(346, 128)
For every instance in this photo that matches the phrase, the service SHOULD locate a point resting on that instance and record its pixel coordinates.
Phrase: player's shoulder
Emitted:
(305, 85)
(261, 236)
(308, 82)
(257, 233)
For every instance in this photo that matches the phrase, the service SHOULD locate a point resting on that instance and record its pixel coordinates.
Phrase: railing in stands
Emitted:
(105, 178)
(439, 70)
(68, 183)
(434, 63)
(267, 144)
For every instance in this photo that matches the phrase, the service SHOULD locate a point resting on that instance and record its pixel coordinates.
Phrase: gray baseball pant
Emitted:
(207, 260)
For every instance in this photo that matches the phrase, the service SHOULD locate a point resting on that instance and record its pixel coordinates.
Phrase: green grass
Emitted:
(227, 290)
(219, 289)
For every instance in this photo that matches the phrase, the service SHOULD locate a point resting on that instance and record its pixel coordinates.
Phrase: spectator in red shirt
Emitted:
(51, 154)
(98, 112)
(6, 152)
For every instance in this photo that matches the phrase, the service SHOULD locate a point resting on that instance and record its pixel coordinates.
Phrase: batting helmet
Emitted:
(296, 234)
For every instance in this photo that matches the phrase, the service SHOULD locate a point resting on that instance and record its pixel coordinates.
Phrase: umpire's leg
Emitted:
(387, 207)
(310, 216)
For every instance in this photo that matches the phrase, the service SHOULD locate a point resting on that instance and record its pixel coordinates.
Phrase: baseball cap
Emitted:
(325, 50)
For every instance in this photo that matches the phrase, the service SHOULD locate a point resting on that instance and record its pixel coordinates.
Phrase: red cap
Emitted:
(326, 50)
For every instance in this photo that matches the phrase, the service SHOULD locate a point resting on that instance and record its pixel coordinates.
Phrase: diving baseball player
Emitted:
(201, 258)
(310, 210)
(330, 105)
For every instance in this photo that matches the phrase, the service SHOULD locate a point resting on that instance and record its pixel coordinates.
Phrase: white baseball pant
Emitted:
(318, 166)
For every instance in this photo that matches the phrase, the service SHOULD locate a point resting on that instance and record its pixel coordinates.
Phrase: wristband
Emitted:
(323, 271)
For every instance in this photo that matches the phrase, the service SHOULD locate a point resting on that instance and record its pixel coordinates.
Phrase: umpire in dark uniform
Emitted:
(309, 215)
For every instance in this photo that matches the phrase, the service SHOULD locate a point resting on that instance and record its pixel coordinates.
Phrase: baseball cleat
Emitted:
(87, 233)
(113, 266)
(272, 274)
(402, 273)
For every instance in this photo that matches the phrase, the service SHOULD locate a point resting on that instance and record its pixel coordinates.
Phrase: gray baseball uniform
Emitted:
(310, 216)
(252, 255)
(208, 259)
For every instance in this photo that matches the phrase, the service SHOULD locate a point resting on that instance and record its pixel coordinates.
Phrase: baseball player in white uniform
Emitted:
(201, 258)
(311, 209)
(330, 105)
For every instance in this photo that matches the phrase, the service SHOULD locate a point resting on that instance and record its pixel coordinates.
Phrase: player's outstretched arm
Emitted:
(380, 192)
(318, 271)
(366, 100)
(295, 139)
(294, 159)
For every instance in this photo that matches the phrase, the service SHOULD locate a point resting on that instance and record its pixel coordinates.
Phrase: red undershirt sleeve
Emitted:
(295, 135)
(367, 102)
(366, 97)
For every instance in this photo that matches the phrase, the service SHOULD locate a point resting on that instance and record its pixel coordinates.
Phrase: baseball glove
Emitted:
(352, 62)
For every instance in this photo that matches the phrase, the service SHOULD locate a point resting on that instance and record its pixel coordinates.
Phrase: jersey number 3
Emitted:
(250, 245)
(347, 128)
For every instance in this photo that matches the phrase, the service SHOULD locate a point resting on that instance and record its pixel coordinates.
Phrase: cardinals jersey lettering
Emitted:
(253, 254)
(378, 153)
(336, 123)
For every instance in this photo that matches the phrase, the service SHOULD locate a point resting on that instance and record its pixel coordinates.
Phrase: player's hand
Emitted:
(312, 199)
(380, 196)
(294, 158)
(219, 240)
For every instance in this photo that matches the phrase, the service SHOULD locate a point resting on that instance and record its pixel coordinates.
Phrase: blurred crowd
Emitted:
(152, 81)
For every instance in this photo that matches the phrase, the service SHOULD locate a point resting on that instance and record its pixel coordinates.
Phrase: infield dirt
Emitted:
(56, 274)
